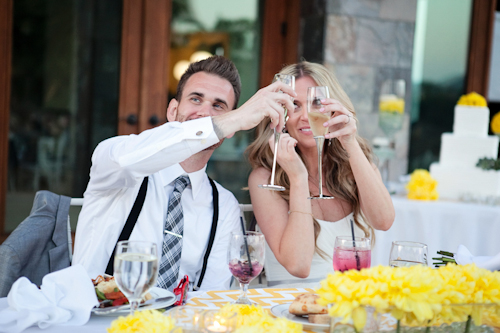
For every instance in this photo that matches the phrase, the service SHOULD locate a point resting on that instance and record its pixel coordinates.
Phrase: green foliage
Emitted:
(488, 164)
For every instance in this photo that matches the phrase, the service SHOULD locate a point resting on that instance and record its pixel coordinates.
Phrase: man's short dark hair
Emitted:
(217, 65)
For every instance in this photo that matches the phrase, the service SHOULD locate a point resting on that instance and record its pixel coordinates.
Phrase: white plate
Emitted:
(155, 292)
(281, 310)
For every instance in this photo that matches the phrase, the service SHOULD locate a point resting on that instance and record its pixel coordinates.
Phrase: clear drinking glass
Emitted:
(288, 80)
(351, 253)
(135, 269)
(245, 258)
(405, 254)
(316, 120)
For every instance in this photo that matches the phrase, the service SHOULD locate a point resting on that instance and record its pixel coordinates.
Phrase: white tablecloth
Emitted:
(97, 324)
(442, 225)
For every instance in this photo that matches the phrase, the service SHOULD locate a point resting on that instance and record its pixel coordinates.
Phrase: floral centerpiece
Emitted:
(417, 296)
(142, 321)
(391, 114)
(250, 319)
(254, 319)
(422, 186)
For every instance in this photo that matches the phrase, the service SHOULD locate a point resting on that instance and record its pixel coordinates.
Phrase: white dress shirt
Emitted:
(118, 167)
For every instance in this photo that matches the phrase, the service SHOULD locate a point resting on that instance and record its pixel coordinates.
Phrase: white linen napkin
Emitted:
(464, 257)
(66, 297)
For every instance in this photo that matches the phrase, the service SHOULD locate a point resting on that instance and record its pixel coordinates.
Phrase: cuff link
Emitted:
(199, 133)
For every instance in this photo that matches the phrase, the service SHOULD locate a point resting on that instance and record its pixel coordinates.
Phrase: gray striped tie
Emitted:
(172, 244)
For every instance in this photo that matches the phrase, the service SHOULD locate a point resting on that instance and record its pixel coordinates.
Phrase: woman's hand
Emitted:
(287, 157)
(342, 125)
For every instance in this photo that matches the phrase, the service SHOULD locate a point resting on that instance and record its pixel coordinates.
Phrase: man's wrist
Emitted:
(218, 131)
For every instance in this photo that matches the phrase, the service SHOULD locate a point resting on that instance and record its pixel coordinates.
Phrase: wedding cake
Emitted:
(456, 172)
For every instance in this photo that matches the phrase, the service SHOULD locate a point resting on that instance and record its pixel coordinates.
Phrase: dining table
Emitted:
(265, 297)
(441, 224)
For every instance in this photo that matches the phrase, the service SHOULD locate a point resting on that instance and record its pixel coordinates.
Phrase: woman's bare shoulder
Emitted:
(258, 174)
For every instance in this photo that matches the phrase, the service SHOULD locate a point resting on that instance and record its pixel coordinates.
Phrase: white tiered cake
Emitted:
(456, 171)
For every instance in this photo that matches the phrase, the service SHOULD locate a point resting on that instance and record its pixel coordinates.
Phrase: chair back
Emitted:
(39, 245)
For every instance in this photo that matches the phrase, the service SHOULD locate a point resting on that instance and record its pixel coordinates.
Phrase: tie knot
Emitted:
(180, 183)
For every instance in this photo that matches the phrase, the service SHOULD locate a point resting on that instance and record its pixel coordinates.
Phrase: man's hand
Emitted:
(267, 102)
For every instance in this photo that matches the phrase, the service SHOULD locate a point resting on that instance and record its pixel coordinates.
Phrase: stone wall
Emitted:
(365, 43)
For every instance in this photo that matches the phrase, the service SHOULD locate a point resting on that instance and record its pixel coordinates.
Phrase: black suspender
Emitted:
(129, 225)
(215, 199)
(134, 214)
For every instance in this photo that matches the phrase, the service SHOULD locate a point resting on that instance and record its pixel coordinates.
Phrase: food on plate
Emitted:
(108, 293)
(306, 304)
(319, 318)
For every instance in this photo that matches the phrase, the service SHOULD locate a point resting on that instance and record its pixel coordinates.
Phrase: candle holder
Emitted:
(187, 320)
(214, 321)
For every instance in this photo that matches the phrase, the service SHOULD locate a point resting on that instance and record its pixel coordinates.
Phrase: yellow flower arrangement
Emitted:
(495, 124)
(416, 296)
(391, 103)
(472, 99)
(422, 186)
(142, 321)
(253, 318)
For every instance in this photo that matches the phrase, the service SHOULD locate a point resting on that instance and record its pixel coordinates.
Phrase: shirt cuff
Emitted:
(200, 133)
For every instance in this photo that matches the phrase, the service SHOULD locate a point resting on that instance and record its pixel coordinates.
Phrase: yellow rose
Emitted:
(495, 123)
(391, 103)
(422, 186)
(472, 99)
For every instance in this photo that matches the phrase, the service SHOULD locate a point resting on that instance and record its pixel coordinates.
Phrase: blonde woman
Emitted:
(299, 231)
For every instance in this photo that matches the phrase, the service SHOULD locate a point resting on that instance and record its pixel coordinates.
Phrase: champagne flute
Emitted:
(351, 253)
(316, 120)
(135, 269)
(406, 254)
(288, 80)
(245, 258)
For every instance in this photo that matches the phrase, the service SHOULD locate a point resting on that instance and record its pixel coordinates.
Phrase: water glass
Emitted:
(135, 269)
(351, 253)
(405, 254)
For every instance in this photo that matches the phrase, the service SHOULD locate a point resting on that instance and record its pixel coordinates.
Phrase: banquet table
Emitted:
(442, 225)
(208, 300)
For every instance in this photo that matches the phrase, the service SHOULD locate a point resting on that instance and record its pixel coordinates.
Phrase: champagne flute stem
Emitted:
(320, 140)
(276, 140)
(134, 304)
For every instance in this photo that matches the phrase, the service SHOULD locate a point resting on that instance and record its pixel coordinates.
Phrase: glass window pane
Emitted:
(64, 96)
(229, 28)
(438, 73)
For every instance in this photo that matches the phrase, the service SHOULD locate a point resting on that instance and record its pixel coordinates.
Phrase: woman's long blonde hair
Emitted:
(339, 179)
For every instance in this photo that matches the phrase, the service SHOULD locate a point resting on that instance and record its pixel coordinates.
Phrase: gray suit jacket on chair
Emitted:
(39, 245)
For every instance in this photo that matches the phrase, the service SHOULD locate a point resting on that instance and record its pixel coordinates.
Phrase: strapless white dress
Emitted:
(277, 274)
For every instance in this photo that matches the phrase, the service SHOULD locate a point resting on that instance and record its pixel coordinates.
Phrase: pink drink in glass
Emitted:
(345, 259)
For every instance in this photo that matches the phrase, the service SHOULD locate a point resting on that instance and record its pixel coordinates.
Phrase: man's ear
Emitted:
(172, 110)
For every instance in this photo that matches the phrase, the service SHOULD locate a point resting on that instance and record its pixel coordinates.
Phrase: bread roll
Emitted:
(305, 304)
(319, 318)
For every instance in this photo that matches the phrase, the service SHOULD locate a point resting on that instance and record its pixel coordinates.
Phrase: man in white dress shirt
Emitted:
(198, 121)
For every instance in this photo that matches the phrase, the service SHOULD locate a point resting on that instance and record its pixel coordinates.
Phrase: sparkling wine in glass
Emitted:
(245, 258)
(351, 253)
(135, 269)
(406, 254)
(288, 80)
(316, 120)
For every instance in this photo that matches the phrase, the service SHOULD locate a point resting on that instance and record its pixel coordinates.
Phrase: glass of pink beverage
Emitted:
(245, 258)
(351, 253)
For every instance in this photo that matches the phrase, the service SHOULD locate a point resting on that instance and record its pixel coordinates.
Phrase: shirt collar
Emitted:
(196, 178)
